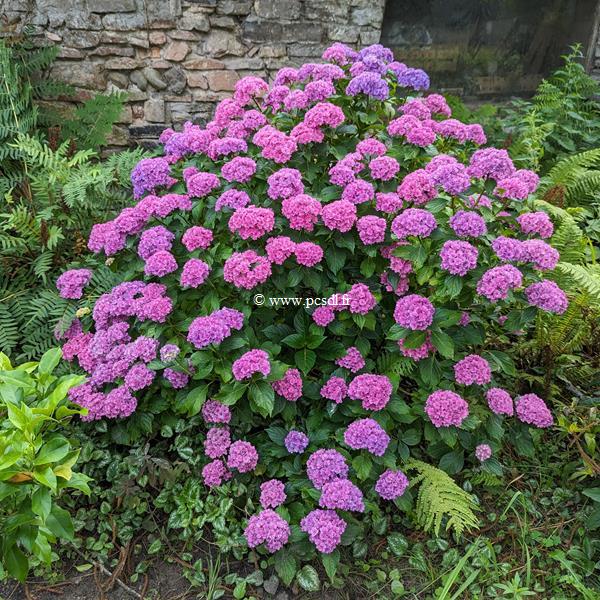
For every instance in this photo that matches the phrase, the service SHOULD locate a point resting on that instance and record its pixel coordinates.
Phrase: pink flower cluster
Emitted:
(374, 391)
(367, 434)
(214, 328)
(253, 361)
(445, 408)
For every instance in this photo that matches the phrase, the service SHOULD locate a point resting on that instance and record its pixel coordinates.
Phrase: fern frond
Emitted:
(440, 499)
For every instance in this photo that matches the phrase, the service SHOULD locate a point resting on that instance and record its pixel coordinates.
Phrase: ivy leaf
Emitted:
(331, 563)
(262, 398)
(308, 579)
(397, 543)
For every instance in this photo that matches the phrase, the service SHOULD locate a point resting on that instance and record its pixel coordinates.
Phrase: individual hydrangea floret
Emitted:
(215, 412)
(472, 369)
(414, 312)
(324, 466)
(499, 401)
(483, 452)
(272, 493)
(367, 434)
(253, 361)
(242, 456)
(71, 283)
(547, 296)
(445, 408)
(324, 528)
(374, 391)
(267, 528)
(290, 387)
(341, 494)
(531, 409)
(391, 484)
(296, 442)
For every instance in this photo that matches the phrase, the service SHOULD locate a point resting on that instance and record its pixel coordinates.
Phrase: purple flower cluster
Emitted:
(335, 389)
(242, 456)
(374, 391)
(341, 494)
(458, 258)
(253, 361)
(391, 484)
(531, 409)
(214, 328)
(367, 434)
(499, 401)
(547, 296)
(296, 442)
(414, 312)
(267, 528)
(324, 528)
(352, 360)
(472, 369)
(272, 493)
(496, 283)
(483, 452)
(324, 466)
(445, 408)
(413, 221)
(215, 412)
(71, 283)
(290, 387)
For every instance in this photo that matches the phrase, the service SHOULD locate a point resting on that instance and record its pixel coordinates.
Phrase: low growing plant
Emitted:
(36, 463)
(325, 273)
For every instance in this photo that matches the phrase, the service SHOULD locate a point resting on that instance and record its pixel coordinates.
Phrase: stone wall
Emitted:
(176, 58)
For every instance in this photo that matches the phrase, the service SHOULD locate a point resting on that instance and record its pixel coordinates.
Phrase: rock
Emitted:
(197, 80)
(221, 81)
(244, 63)
(369, 37)
(126, 115)
(113, 51)
(195, 21)
(189, 36)
(272, 51)
(327, 11)
(140, 131)
(154, 79)
(114, 37)
(176, 80)
(343, 33)
(124, 21)
(83, 75)
(53, 37)
(287, 10)
(120, 80)
(203, 64)
(119, 136)
(234, 7)
(136, 95)
(112, 6)
(70, 53)
(255, 30)
(162, 10)
(158, 38)
(137, 111)
(121, 64)
(176, 51)
(154, 110)
(138, 78)
(221, 42)
(81, 39)
(372, 15)
(221, 21)
(88, 22)
(305, 50)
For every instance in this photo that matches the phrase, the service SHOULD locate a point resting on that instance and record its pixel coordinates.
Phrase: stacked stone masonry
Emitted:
(177, 58)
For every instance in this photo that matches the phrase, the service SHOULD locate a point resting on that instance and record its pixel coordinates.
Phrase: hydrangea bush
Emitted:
(416, 253)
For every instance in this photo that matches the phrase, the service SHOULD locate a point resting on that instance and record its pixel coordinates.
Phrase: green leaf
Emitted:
(443, 343)
(239, 591)
(262, 398)
(331, 563)
(335, 258)
(362, 466)
(294, 340)
(452, 462)
(308, 579)
(193, 401)
(285, 565)
(593, 520)
(397, 543)
(41, 502)
(593, 493)
(46, 477)
(49, 361)
(305, 360)
(59, 523)
(52, 451)
(17, 564)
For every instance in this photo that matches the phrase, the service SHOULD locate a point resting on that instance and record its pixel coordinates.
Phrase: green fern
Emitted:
(440, 499)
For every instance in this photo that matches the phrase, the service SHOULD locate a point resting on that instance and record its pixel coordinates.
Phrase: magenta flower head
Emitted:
(360, 298)
(500, 402)
(391, 484)
(246, 269)
(324, 466)
(414, 221)
(215, 412)
(367, 434)
(537, 223)
(71, 283)
(342, 494)
(272, 493)
(253, 361)
(445, 408)
(324, 529)
(267, 528)
(335, 389)
(531, 409)
(217, 442)
(547, 296)
(290, 387)
(352, 360)
(215, 473)
(296, 442)
(468, 224)
(196, 237)
(483, 452)
(374, 391)
(458, 258)
(242, 456)
(472, 369)
(339, 215)
(414, 312)
(496, 283)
